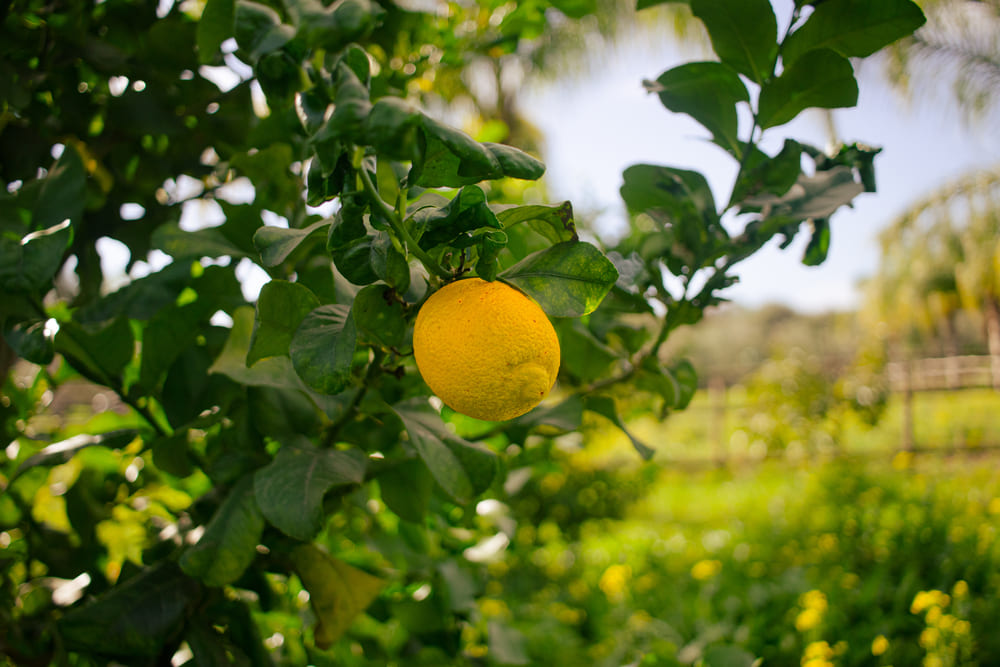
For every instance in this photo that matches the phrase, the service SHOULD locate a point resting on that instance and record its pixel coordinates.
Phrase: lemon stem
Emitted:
(398, 227)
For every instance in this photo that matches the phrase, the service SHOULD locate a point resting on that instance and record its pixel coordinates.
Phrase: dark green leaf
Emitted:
(331, 27)
(281, 307)
(567, 280)
(607, 408)
(216, 25)
(322, 348)
(555, 222)
(388, 263)
(258, 29)
(462, 469)
(770, 175)
(141, 614)
(515, 163)
(819, 243)
(63, 192)
(490, 245)
(276, 244)
(687, 379)
(105, 347)
(30, 263)
(465, 213)
(232, 361)
(708, 92)
(230, 541)
(337, 591)
(820, 78)
(290, 489)
(406, 489)
(591, 358)
(852, 28)
(392, 126)
(451, 158)
(379, 316)
(32, 341)
(744, 34)
(177, 243)
(354, 261)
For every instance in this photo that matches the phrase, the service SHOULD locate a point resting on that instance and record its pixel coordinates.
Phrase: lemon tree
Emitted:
(199, 471)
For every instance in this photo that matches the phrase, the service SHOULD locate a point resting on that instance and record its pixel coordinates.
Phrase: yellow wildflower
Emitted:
(880, 645)
(706, 569)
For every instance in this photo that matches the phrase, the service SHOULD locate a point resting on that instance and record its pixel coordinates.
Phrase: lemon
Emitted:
(486, 349)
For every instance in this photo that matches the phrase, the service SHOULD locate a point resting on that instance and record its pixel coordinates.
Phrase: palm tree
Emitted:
(960, 44)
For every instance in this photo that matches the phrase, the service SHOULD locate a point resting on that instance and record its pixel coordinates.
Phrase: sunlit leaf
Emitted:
(567, 280)
(338, 592)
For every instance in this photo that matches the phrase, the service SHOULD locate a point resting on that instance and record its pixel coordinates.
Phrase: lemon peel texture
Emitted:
(486, 349)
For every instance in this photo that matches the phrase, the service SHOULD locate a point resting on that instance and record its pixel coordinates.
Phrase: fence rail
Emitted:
(961, 372)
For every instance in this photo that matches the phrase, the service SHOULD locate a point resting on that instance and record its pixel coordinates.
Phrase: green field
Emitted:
(851, 554)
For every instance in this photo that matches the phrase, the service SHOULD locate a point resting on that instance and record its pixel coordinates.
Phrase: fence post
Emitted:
(717, 394)
(907, 405)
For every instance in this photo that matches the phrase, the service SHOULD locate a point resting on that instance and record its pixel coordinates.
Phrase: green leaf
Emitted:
(815, 196)
(230, 541)
(762, 173)
(392, 127)
(462, 469)
(63, 193)
(291, 488)
(515, 163)
(216, 25)
(276, 244)
(726, 655)
(819, 243)
(32, 341)
(337, 591)
(681, 197)
(406, 489)
(28, 264)
(177, 243)
(379, 316)
(141, 614)
(451, 158)
(331, 27)
(490, 246)
(322, 348)
(820, 78)
(607, 408)
(466, 212)
(281, 307)
(687, 379)
(852, 28)
(592, 358)
(744, 34)
(105, 347)
(258, 29)
(567, 280)
(232, 361)
(388, 263)
(708, 92)
(554, 222)
(354, 261)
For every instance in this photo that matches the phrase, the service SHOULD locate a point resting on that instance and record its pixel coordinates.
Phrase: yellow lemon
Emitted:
(486, 349)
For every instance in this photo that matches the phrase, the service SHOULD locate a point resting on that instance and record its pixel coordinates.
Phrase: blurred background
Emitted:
(832, 494)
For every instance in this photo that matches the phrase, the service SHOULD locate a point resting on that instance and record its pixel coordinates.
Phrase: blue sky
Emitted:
(598, 124)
